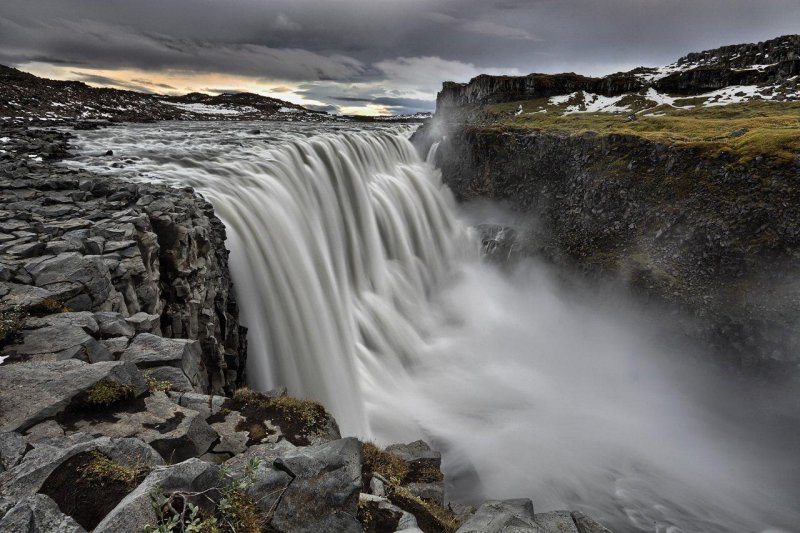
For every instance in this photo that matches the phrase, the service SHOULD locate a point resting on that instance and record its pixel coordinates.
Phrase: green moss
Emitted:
(102, 471)
(107, 392)
(770, 129)
(299, 420)
(155, 385)
(376, 460)
(11, 322)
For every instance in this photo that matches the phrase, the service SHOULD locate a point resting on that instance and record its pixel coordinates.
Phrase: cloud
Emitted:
(284, 23)
(382, 48)
(424, 75)
(483, 27)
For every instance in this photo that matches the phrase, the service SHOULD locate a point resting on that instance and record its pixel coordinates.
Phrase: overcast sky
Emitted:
(365, 56)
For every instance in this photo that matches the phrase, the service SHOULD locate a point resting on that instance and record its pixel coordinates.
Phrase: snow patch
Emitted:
(597, 103)
(205, 109)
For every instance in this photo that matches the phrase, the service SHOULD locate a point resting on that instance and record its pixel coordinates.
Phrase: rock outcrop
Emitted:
(132, 263)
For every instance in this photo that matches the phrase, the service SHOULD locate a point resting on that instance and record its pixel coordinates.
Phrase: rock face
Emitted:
(709, 235)
(771, 61)
(146, 259)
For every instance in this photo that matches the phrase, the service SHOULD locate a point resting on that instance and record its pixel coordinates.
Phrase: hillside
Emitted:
(28, 99)
(681, 181)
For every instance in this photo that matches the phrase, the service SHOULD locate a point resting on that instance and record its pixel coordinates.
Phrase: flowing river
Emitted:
(362, 286)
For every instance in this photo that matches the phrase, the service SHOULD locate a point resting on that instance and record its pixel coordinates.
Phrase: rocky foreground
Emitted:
(122, 406)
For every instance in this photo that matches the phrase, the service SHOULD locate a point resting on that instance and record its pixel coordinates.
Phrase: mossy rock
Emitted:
(89, 485)
(302, 422)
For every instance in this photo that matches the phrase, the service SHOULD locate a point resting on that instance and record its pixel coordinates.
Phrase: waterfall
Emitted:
(336, 243)
(361, 286)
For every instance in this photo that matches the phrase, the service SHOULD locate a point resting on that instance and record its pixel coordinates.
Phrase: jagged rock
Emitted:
(64, 339)
(556, 522)
(71, 276)
(33, 392)
(175, 432)
(37, 514)
(149, 350)
(25, 296)
(29, 475)
(323, 494)
(135, 511)
(501, 516)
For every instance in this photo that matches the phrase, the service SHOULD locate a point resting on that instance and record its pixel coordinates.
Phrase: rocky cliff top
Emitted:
(771, 67)
(27, 99)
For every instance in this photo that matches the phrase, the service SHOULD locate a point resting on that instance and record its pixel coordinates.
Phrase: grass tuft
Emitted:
(107, 392)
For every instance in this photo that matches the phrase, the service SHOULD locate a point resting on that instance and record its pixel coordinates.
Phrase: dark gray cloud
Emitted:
(380, 48)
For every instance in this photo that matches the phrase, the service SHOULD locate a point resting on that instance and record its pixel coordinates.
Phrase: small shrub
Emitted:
(107, 392)
(102, 470)
(299, 420)
(382, 462)
(155, 385)
(11, 322)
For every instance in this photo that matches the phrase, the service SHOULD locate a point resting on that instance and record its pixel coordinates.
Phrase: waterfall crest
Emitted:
(340, 240)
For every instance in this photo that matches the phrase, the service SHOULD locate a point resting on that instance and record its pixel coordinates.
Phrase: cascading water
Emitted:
(362, 288)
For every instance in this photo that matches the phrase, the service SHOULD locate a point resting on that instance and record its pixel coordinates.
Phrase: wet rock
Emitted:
(379, 514)
(500, 516)
(556, 522)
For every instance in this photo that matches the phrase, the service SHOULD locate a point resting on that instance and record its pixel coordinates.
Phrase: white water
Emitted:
(362, 288)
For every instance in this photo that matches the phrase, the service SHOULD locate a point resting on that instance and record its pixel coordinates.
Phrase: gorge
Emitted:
(630, 354)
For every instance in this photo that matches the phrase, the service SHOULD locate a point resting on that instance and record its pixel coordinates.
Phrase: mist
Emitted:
(539, 384)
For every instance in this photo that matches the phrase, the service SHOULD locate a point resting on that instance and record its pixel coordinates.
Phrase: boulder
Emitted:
(59, 342)
(29, 475)
(33, 392)
(149, 350)
(135, 511)
(323, 494)
(268, 482)
(71, 272)
(174, 377)
(37, 514)
(502, 516)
